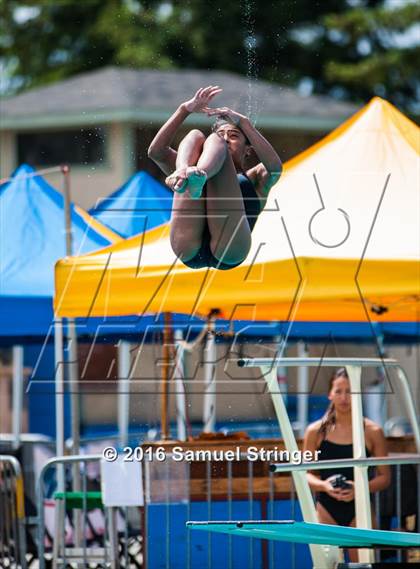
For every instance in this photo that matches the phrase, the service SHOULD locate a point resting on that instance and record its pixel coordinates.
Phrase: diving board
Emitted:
(325, 556)
(304, 532)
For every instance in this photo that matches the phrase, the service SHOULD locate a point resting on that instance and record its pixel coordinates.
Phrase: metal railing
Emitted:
(134, 437)
(395, 460)
(26, 454)
(37, 547)
(12, 514)
(348, 462)
(323, 557)
(75, 545)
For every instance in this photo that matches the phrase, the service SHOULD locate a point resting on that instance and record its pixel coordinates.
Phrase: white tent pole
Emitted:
(59, 398)
(123, 391)
(72, 362)
(17, 394)
(209, 404)
(72, 357)
(73, 378)
(302, 389)
(166, 372)
(180, 393)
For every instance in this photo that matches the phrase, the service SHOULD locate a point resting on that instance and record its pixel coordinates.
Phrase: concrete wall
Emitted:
(88, 183)
(7, 153)
(126, 152)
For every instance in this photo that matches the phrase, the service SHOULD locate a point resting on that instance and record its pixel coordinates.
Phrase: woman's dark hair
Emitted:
(329, 418)
(220, 121)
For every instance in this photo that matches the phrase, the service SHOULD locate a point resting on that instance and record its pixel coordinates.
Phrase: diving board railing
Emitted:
(396, 460)
(400, 459)
(325, 557)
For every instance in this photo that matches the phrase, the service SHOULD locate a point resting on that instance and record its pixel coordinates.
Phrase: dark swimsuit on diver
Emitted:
(342, 512)
(252, 206)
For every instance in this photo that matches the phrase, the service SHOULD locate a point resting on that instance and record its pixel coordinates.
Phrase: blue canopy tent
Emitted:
(32, 239)
(139, 205)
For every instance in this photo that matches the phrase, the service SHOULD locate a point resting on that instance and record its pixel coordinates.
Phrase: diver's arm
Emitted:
(160, 150)
(268, 171)
(262, 148)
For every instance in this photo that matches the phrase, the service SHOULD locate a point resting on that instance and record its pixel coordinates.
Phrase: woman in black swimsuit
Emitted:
(216, 202)
(332, 435)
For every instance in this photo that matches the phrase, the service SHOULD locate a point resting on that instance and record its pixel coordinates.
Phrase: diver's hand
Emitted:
(226, 113)
(199, 103)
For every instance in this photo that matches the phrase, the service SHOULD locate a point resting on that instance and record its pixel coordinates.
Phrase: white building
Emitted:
(102, 122)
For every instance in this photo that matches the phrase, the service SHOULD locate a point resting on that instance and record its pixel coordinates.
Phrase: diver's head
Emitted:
(237, 143)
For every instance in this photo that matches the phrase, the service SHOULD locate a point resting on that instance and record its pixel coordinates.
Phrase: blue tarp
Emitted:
(37, 328)
(32, 239)
(139, 205)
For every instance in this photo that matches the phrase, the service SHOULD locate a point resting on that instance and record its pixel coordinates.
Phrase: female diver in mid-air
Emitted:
(216, 203)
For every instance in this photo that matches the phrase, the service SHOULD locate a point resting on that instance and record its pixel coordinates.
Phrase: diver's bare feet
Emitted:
(196, 178)
(177, 181)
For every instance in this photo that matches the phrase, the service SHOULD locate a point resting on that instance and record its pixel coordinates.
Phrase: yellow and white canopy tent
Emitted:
(338, 241)
(341, 225)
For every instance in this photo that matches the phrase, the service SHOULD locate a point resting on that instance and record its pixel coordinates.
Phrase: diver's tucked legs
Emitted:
(223, 210)
(209, 164)
(188, 153)
(213, 155)
(226, 217)
(188, 216)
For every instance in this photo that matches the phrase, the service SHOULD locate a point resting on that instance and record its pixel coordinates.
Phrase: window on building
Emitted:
(84, 146)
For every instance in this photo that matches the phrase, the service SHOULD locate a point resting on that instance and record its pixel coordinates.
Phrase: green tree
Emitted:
(347, 48)
(381, 52)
